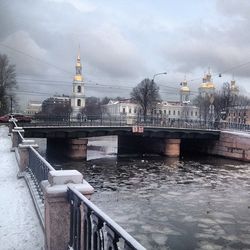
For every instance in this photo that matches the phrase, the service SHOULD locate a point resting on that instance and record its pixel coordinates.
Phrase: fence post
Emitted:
(57, 207)
(23, 151)
(11, 125)
(14, 137)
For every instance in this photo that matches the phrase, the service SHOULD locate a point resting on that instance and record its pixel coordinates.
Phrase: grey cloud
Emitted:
(221, 46)
(60, 25)
(234, 8)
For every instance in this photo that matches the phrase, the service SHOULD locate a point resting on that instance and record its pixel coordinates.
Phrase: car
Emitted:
(18, 117)
(4, 118)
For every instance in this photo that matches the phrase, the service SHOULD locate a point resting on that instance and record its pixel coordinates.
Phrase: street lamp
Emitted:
(162, 73)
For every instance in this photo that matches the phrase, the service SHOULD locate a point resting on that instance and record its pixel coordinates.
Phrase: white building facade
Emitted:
(164, 112)
(33, 108)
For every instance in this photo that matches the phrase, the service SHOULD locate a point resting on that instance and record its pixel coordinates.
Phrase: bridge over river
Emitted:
(71, 138)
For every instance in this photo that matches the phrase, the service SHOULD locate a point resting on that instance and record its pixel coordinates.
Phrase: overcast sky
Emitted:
(123, 42)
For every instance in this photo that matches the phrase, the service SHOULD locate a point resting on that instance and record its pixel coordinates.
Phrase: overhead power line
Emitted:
(35, 58)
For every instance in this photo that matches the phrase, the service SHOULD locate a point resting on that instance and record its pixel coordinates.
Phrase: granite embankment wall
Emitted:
(234, 145)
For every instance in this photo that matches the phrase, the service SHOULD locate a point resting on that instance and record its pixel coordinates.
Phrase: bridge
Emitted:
(165, 139)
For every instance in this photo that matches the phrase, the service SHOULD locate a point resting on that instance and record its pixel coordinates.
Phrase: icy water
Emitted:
(191, 203)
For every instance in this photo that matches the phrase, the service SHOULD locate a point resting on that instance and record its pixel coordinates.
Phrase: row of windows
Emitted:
(129, 110)
(192, 113)
(239, 114)
(237, 120)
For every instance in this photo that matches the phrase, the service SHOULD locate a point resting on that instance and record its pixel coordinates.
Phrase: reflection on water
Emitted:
(198, 203)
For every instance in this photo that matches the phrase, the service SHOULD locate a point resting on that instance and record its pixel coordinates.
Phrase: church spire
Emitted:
(78, 75)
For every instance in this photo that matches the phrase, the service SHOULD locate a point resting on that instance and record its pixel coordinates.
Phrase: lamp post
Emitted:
(11, 106)
(162, 73)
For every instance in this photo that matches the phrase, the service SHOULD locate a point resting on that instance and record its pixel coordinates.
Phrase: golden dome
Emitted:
(209, 85)
(185, 89)
(78, 78)
(207, 82)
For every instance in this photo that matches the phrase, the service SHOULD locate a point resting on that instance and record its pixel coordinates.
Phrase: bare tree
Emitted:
(203, 102)
(146, 94)
(7, 84)
(93, 107)
(223, 101)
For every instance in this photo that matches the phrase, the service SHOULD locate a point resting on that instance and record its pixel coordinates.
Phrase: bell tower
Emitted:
(78, 96)
(184, 93)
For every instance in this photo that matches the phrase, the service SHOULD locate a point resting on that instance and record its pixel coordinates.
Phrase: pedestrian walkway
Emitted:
(19, 224)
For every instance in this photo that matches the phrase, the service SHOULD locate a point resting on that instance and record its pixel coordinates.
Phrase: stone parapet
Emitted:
(57, 207)
(23, 151)
(233, 145)
(14, 137)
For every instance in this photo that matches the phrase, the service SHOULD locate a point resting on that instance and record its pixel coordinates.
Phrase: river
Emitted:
(195, 202)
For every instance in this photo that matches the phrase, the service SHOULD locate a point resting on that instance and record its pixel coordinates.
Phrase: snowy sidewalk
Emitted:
(19, 223)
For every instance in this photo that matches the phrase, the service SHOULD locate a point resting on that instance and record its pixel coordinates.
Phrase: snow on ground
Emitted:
(19, 224)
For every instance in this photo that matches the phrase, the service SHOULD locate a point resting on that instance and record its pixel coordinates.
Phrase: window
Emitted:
(196, 113)
(169, 112)
(129, 110)
(174, 112)
(178, 112)
(78, 102)
(123, 110)
(135, 110)
(191, 113)
(165, 112)
(79, 89)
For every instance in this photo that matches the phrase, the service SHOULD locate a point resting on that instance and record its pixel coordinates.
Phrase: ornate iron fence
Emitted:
(38, 169)
(90, 228)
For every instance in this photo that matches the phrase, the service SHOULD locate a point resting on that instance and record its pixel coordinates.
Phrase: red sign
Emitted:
(137, 129)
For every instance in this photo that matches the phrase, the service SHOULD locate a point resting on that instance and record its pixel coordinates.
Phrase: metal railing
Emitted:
(20, 138)
(121, 121)
(90, 228)
(234, 126)
(39, 169)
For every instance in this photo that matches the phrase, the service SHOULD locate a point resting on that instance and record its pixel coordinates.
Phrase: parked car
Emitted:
(19, 117)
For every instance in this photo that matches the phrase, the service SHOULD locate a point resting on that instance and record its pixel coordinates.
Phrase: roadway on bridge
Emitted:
(19, 223)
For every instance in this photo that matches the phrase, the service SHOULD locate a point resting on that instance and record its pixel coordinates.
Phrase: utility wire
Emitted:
(35, 58)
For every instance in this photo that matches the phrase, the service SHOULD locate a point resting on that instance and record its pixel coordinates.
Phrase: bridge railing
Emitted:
(122, 121)
(99, 230)
(234, 126)
(148, 122)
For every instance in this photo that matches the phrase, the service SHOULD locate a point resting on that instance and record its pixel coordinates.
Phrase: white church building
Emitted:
(78, 94)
